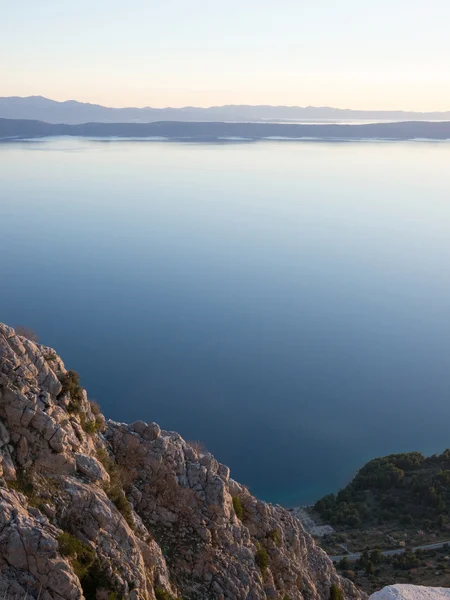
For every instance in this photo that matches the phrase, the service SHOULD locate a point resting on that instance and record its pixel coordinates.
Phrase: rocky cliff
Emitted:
(96, 509)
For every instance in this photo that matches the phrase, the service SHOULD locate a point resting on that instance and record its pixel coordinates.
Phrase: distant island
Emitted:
(75, 113)
(228, 132)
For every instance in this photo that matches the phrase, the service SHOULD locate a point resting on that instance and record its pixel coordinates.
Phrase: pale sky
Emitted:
(382, 54)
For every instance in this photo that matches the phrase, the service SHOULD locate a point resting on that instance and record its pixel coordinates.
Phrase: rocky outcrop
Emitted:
(405, 591)
(108, 510)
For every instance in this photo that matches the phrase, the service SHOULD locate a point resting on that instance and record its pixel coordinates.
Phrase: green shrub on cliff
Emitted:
(238, 507)
(81, 555)
(114, 490)
(71, 385)
(161, 594)
(274, 535)
(336, 592)
(262, 558)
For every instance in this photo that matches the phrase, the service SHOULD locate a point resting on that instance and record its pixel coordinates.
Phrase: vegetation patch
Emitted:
(96, 579)
(27, 333)
(81, 555)
(262, 558)
(198, 446)
(114, 490)
(374, 570)
(91, 427)
(161, 594)
(336, 592)
(25, 486)
(397, 490)
(238, 507)
(71, 385)
(275, 536)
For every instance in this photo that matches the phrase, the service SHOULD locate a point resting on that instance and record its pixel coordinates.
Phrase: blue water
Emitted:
(286, 303)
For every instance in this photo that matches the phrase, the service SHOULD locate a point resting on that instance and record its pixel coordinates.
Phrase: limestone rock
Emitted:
(88, 507)
(405, 591)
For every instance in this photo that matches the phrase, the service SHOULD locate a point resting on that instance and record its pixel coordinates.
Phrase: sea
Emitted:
(285, 303)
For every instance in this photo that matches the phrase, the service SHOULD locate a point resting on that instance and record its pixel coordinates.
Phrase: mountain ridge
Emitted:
(75, 112)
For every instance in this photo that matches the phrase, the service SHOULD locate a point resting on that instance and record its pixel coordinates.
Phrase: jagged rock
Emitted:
(91, 468)
(162, 517)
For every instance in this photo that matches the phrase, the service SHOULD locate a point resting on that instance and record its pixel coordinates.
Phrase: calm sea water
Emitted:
(286, 303)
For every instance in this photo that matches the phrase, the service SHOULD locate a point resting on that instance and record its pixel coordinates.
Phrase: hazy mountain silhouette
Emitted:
(11, 128)
(73, 112)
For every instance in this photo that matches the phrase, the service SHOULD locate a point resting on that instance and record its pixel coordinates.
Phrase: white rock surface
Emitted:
(403, 591)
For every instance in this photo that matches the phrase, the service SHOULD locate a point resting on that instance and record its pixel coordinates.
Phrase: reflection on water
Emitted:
(288, 304)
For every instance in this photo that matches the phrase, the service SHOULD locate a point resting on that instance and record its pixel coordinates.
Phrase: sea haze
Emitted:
(287, 304)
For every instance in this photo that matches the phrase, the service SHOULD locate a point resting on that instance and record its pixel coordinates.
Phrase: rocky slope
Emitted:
(95, 509)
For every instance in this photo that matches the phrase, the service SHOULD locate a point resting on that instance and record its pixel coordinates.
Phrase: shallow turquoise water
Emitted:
(286, 303)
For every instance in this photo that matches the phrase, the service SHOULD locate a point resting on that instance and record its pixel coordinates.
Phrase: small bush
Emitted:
(81, 555)
(96, 579)
(274, 535)
(121, 503)
(95, 408)
(114, 490)
(262, 558)
(71, 385)
(238, 507)
(90, 427)
(336, 592)
(24, 485)
(198, 446)
(27, 333)
(161, 594)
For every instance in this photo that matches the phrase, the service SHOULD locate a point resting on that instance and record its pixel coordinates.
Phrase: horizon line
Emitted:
(216, 106)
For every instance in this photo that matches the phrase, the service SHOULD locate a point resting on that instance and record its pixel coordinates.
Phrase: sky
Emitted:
(381, 54)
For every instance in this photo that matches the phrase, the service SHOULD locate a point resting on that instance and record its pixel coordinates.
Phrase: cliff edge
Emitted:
(97, 509)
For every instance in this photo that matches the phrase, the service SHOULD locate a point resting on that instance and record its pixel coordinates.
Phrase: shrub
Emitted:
(114, 490)
(95, 408)
(27, 333)
(198, 446)
(117, 496)
(71, 385)
(81, 555)
(161, 594)
(90, 427)
(336, 592)
(24, 485)
(262, 558)
(238, 507)
(274, 535)
(95, 579)
(344, 564)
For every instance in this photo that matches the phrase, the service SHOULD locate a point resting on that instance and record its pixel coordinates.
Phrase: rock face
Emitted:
(94, 509)
(411, 592)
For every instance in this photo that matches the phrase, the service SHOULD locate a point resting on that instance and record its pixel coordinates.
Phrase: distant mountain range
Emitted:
(211, 131)
(75, 113)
